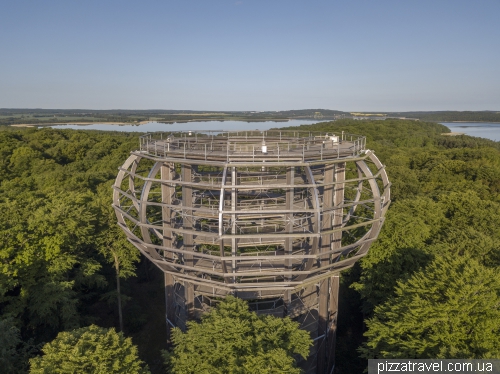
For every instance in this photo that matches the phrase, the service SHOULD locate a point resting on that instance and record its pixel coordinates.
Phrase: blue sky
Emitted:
(355, 55)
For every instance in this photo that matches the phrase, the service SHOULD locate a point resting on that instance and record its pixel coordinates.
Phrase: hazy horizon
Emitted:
(252, 110)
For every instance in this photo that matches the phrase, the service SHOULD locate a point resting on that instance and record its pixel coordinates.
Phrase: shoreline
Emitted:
(467, 122)
(68, 123)
(452, 133)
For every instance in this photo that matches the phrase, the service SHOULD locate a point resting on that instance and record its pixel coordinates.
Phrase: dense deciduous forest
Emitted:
(428, 288)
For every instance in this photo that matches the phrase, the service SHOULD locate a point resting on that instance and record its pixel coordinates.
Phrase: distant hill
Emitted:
(451, 116)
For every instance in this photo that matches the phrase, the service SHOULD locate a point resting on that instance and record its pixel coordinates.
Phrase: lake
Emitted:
(479, 129)
(191, 126)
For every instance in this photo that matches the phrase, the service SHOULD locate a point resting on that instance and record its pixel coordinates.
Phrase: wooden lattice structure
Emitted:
(271, 217)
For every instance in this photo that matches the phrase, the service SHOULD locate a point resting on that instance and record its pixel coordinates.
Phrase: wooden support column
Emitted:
(324, 286)
(332, 326)
(234, 204)
(290, 175)
(187, 223)
(167, 193)
(338, 200)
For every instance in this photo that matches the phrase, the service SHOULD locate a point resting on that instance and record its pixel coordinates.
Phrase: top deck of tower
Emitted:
(221, 147)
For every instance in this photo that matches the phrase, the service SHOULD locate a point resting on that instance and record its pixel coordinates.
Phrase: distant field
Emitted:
(201, 114)
(369, 114)
(45, 118)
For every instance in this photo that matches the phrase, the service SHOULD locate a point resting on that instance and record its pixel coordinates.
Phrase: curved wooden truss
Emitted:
(270, 216)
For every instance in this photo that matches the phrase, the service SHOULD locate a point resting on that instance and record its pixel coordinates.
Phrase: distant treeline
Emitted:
(48, 116)
(450, 116)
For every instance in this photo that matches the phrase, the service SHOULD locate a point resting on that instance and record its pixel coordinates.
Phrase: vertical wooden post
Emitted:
(338, 201)
(187, 223)
(290, 176)
(332, 326)
(324, 285)
(167, 192)
(234, 203)
(338, 216)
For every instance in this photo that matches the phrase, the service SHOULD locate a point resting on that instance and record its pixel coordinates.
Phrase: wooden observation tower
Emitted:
(271, 217)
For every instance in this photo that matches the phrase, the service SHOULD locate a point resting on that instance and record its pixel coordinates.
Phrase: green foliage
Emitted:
(90, 349)
(44, 241)
(450, 309)
(60, 246)
(55, 199)
(114, 246)
(417, 229)
(231, 339)
(10, 338)
(14, 353)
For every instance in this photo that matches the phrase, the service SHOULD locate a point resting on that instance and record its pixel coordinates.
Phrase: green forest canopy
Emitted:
(56, 201)
(231, 339)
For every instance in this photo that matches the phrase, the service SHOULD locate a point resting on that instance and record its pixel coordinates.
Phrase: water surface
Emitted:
(480, 129)
(195, 125)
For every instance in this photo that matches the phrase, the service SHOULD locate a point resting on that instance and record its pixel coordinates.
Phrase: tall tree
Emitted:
(10, 339)
(115, 247)
(123, 256)
(87, 350)
(450, 309)
(46, 254)
(231, 339)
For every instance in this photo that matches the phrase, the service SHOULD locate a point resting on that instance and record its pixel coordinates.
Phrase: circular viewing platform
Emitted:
(252, 146)
(271, 217)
